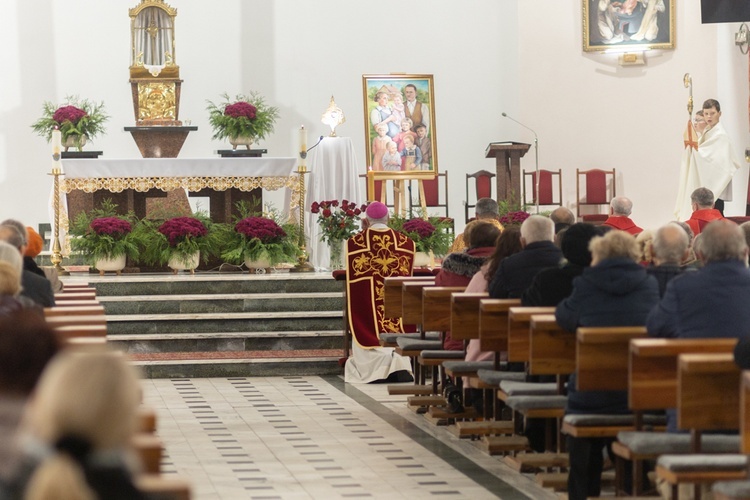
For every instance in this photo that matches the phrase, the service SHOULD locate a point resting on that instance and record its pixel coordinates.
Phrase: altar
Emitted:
(224, 180)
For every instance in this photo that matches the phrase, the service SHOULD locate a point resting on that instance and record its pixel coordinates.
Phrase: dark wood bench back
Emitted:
(436, 307)
(519, 321)
(392, 293)
(652, 383)
(493, 323)
(411, 303)
(602, 357)
(708, 395)
(465, 315)
(552, 350)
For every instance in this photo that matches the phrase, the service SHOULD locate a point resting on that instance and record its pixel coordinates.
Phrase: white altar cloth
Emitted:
(177, 167)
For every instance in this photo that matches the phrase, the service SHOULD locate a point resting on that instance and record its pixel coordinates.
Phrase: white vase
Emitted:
(424, 259)
(70, 142)
(259, 265)
(241, 141)
(179, 263)
(116, 264)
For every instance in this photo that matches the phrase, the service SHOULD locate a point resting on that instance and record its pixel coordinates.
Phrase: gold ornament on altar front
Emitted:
(333, 117)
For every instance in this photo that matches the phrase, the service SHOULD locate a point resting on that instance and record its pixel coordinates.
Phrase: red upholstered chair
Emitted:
(599, 190)
(550, 192)
(483, 180)
(435, 195)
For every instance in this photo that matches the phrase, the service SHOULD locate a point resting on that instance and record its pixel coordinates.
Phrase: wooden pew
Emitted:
(149, 449)
(739, 490)
(519, 322)
(158, 487)
(62, 297)
(707, 400)
(146, 420)
(78, 303)
(494, 324)
(89, 310)
(652, 385)
(392, 293)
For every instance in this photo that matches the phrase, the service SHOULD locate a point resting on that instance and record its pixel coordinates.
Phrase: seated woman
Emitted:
(459, 268)
(614, 291)
(80, 424)
(11, 269)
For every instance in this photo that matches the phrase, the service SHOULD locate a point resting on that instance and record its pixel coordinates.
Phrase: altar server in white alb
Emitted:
(710, 163)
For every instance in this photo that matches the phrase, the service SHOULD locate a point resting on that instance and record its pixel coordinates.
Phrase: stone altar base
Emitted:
(218, 325)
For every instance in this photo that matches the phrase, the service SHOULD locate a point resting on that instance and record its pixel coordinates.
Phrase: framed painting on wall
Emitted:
(628, 24)
(400, 134)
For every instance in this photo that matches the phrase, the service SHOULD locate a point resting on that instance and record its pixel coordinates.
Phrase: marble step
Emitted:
(222, 303)
(123, 324)
(227, 341)
(214, 283)
(238, 364)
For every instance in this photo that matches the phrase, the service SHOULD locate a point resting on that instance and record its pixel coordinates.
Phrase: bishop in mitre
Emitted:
(708, 161)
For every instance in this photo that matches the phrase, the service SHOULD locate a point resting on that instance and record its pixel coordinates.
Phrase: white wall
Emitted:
(522, 57)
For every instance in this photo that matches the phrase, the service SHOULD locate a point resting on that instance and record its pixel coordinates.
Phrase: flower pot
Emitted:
(259, 265)
(241, 141)
(72, 142)
(116, 264)
(424, 259)
(180, 263)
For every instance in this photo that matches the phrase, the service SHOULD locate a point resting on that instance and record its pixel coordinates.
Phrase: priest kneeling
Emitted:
(375, 253)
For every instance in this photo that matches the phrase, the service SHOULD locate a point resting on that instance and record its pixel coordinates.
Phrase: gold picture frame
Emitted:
(628, 25)
(417, 95)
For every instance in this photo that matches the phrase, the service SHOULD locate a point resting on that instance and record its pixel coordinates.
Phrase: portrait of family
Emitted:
(610, 23)
(400, 124)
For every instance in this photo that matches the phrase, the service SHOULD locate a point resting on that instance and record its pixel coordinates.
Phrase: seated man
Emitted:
(702, 203)
(669, 250)
(515, 273)
(620, 209)
(485, 209)
(374, 254)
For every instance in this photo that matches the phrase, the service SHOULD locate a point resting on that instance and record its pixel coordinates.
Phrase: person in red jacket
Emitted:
(620, 209)
(702, 201)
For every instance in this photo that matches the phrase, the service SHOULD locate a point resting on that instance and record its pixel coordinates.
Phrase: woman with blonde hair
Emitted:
(79, 427)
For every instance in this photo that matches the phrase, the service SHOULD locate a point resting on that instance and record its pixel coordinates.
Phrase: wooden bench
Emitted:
(392, 293)
(65, 296)
(149, 449)
(652, 385)
(88, 310)
(707, 400)
(158, 487)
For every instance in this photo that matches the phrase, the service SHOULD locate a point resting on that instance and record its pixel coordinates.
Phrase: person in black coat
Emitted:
(614, 291)
(669, 249)
(517, 271)
(552, 285)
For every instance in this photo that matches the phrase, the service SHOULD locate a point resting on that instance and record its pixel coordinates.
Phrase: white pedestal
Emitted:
(333, 176)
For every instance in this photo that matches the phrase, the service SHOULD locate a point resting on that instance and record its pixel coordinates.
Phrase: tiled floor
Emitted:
(316, 437)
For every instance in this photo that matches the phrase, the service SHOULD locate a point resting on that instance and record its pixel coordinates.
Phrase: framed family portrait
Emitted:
(640, 24)
(400, 134)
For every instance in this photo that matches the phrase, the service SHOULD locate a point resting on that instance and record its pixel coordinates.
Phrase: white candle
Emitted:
(56, 142)
(302, 139)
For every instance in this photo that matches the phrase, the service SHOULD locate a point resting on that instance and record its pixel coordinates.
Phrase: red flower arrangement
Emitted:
(420, 227)
(111, 226)
(241, 109)
(514, 218)
(179, 229)
(265, 230)
(337, 221)
(69, 113)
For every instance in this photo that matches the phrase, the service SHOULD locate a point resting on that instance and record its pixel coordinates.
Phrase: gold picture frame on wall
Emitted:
(628, 25)
(400, 109)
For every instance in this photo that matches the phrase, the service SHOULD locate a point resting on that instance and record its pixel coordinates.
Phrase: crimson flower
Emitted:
(111, 226)
(180, 228)
(419, 227)
(266, 230)
(241, 109)
(68, 113)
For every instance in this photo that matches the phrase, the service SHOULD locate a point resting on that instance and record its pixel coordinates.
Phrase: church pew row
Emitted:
(91, 309)
(739, 490)
(652, 386)
(708, 399)
(75, 295)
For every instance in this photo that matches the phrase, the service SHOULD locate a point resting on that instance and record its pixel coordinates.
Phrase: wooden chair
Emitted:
(547, 187)
(435, 195)
(482, 189)
(599, 190)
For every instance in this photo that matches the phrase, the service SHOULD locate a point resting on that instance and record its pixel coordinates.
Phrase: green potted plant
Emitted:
(78, 120)
(431, 235)
(242, 120)
(104, 239)
(179, 242)
(259, 241)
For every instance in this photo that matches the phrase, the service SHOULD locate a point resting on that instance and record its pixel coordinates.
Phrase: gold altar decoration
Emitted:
(333, 117)
(154, 73)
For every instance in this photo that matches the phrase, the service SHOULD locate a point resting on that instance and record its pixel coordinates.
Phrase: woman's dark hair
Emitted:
(479, 234)
(27, 344)
(508, 243)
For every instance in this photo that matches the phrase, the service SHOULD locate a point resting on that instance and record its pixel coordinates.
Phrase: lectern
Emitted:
(508, 164)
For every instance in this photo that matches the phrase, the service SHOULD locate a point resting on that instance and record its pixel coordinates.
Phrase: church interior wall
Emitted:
(521, 57)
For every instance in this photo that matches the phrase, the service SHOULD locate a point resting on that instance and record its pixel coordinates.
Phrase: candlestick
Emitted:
(302, 144)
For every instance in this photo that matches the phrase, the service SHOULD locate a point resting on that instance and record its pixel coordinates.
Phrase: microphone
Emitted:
(505, 115)
(536, 154)
(304, 155)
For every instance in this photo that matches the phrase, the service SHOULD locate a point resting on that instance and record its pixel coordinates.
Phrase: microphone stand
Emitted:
(536, 154)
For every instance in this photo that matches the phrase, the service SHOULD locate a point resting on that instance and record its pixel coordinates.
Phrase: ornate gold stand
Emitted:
(303, 266)
(56, 257)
